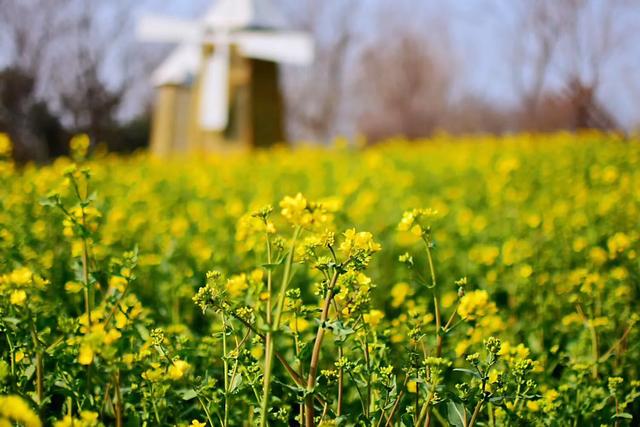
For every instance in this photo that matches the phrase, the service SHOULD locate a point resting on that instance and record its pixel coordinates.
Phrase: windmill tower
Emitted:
(219, 88)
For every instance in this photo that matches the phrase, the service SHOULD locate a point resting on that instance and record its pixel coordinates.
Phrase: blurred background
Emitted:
(383, 68)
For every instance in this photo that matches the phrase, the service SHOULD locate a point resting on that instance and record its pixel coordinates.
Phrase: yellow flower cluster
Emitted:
(5, 145)
(476, 305)
(416, 220)
(79, 145)
(18, 283)
(15, 411)
(300, 212)
(86, 419)
(358, 242)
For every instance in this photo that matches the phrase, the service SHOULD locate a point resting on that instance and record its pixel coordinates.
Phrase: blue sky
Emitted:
(477, 31)
(481, 34)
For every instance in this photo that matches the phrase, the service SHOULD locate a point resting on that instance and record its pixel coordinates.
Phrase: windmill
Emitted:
(220, 83)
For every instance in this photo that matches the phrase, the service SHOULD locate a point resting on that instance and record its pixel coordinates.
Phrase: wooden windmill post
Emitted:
(170, 125)
(223, 78)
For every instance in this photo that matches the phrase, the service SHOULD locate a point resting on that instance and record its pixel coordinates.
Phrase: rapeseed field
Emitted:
(485, 281)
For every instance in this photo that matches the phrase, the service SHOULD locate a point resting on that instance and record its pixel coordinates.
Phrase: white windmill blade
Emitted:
(278, 46)
(163, 29)
(214, 102)
(236, 14)
(180, 66)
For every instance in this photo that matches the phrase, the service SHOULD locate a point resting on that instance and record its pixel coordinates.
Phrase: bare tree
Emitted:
(31, 27)
(316, 95)
(81, 58)
(561, 50)
(405, 76)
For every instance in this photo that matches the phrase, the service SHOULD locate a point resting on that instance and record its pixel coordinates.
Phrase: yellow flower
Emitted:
(579, 244)
(112, 336)
(19, 356)
(550, 397)
(18, 297)
(87, 419)
(294, 209)
(257, 275)
(128, 359)
(20, 277)
(237, 284)
(196, 423)
(15, 409)
(618, 243)
(118, 283)
(373, 318)
(448, 299)
(399, 293)
(533, 406)
(85, 356)
(73, 287)
(358, 242)
(407, 221)
(525, 271)
(79, 145)
(257, 352)
(412, 387)
(598, 255)
(154, 374)
(178, 369)
(397, 338)
(298, 324)
(461, 347)
(475, 305)
(5, 145)
(484, 254)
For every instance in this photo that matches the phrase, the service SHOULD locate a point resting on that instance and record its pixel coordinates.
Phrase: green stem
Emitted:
(476, 413)
(206, 410)
(39, 363)
(367, 360)
(315, 355)
(425, 407)
(85, 278)
(118, 405)
(396, 403)
(340, 381)
(12, 356)
(275, 326)
(226, 370)
(430, 259)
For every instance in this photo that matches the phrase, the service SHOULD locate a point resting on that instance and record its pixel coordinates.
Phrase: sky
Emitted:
(477, 36)
(476, 30)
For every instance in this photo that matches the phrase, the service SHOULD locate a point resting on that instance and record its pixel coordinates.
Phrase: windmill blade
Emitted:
(214, 101)
(285, 47)
(179, 67)
(161, 29)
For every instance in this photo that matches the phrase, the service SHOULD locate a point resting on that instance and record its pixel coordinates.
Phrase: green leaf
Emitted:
(28, 373)
(237, 380)
(467, 371)
(188, 394)
(144, 332)
(273, 265)
(456, 413)
(623, 415)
